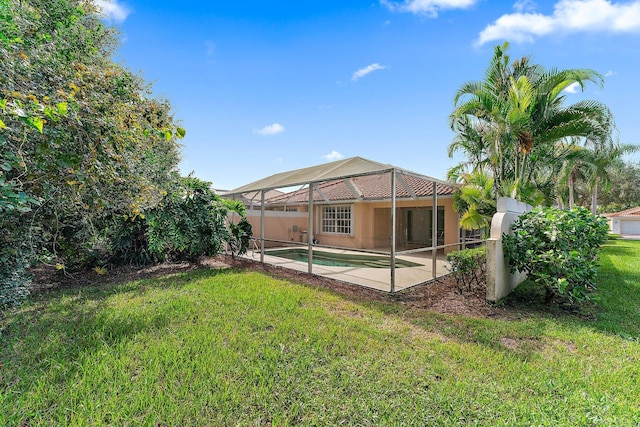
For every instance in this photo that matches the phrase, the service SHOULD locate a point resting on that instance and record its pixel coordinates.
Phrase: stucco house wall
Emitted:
(371, 224)
(626, 222)
(278, 225)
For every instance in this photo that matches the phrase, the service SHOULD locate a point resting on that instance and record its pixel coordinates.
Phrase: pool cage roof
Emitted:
(352, 179)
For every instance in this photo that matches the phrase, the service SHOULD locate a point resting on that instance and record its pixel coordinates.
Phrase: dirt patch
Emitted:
(47, 278)
(439, 296)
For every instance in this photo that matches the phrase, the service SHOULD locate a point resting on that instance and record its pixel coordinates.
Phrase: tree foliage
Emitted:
(475, 199)
(514, 127)
(84, 140)
(85, 148)
(558, 249)
(624, 193)
(590, 172)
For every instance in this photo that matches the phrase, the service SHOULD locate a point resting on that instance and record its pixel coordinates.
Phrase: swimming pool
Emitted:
(333, 259)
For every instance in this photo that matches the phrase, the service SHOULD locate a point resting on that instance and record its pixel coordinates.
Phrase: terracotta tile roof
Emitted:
(368, 187)
(633, 212)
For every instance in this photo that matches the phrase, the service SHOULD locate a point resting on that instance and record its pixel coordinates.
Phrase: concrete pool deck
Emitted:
(376, 278)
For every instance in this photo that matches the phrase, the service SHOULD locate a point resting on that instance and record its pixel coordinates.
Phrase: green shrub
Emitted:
(188, 223)
(558, 249)
(14, 285)
(468, 266)
(128, 242)
(15, 254)
(192, 221)
(238, 235)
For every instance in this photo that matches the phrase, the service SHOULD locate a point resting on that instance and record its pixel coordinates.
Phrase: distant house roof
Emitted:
(629, 213)
(354, 178)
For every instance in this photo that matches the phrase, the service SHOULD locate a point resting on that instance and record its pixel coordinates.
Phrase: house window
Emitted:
(336, 219)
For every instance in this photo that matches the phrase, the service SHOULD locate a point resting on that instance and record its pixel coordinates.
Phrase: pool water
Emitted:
(333, 259)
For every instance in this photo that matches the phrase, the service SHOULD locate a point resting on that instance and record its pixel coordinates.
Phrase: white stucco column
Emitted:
(500, 282)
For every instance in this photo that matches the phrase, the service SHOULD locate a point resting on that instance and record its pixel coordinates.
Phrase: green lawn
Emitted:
(241, 348)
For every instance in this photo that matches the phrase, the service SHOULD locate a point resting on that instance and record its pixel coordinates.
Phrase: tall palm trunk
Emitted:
(594, 198)
(571, 183)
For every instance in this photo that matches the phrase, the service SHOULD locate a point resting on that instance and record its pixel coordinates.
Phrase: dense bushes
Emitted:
(14, 283)
(192, 221)
(558, 249)
(88, 155)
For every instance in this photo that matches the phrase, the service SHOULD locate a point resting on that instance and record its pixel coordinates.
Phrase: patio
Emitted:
(375, 278)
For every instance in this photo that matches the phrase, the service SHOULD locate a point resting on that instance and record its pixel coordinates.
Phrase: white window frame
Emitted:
(337, 220)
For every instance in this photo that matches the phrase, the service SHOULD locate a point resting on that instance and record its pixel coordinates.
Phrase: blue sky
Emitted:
(267, 86)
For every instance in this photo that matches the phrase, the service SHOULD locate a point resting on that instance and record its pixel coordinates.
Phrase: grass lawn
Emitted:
(235, 347)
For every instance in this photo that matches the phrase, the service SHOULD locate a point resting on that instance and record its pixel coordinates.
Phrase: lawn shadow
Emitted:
(617, 250)
(614, 308)
(58, 328)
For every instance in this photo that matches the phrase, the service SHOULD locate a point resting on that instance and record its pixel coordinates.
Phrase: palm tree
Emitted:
(573, 169)
(600, 160)
(593, 159)
(475, 199)
(513, 124)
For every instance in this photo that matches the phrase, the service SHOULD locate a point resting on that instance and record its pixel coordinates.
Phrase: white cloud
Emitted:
(427, 7)
(113, 10)
(272, 129)
(610, 73)
(334, 155)
(569, 16)
(366, 70)
(573, 88)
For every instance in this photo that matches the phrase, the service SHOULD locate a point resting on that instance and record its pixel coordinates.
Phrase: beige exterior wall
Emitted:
(371, 224)
(278, 225)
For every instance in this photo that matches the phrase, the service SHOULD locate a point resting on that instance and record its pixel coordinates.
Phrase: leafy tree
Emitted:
(82, 139)
(110, 153)
(589, 171)
(603, 156)
(572, 174)
(625, 193)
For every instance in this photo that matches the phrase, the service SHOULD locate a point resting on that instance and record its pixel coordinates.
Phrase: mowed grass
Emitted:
(237, 347)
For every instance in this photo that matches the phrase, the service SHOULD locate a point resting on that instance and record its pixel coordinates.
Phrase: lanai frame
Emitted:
(346, 170)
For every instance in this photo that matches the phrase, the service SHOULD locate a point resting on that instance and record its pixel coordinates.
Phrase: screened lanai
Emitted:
(354, 220)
